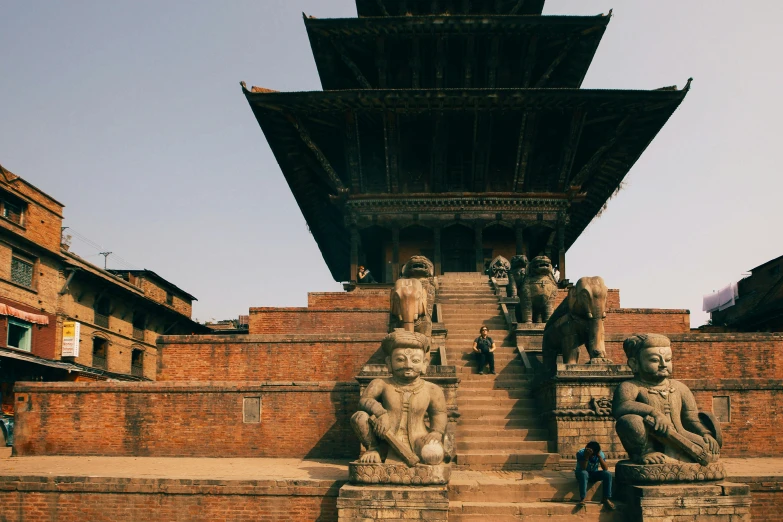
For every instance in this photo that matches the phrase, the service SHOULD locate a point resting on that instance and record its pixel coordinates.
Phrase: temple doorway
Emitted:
(457, 250)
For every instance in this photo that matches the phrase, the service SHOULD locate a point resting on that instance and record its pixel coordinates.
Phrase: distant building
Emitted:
(111, 318)
(230, 326)
(759, 305)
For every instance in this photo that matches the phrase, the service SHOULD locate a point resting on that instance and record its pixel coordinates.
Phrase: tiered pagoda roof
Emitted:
(477, 110)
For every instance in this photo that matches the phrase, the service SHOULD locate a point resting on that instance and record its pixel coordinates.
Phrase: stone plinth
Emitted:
(717, 502)
(668, 472)
(383, 502)
(399, 474)
(577, 403)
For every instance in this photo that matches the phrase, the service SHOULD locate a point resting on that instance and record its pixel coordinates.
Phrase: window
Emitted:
(139, 323)
(19, 335)
(137, 363)
(22, 271)
(12, 208)
(99, 352)
(102, 310)
(169, 298)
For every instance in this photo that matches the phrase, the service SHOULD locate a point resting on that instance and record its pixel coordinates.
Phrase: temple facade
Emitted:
(454, 130)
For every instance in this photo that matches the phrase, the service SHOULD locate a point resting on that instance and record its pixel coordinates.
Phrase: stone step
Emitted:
(501, 356)
(559, 486)
(505, 369)
(472, 432)
(496, 400)
(493, 395)
(501, 445)
(480, 384)
(501, 411)
(530, 511)
(498, 461)
(500, 420)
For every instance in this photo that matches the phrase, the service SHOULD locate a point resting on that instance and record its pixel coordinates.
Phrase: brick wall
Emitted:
(266, 357)
(767, 497)
(631, 320)
(612, 298)
(306, 321)
(79, 499)
(298, 420)
(360, 299)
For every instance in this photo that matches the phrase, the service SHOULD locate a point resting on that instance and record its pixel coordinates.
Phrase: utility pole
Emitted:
(105, 257)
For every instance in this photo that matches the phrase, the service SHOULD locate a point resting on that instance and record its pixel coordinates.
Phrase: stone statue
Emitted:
(499, 268)
(658, 421)
(538, 292)
(413, 297)
(516, 275)
(391, 419)
(577, 321)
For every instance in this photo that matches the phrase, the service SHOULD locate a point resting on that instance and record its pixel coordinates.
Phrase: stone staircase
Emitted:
(508, 496)
(504, 470)
(498, 428)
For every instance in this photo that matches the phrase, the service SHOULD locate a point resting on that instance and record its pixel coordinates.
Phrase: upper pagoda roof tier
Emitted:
(448, 7)
(338, 147)
(454, 51)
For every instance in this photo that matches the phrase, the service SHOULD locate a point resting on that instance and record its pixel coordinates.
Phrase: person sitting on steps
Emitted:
(484, 348)
(587, 461)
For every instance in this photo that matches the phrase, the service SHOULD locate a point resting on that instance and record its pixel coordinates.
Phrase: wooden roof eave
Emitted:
(383, 8)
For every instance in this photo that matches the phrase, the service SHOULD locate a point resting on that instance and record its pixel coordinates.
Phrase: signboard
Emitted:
(71, 338)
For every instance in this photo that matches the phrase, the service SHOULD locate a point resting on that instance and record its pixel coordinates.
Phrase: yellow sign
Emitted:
(71, 338)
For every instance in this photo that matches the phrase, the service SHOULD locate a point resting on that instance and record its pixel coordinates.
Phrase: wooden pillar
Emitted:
(561, 263)
(478, 229)
(395, 253)
(354, 255)
(436, 252)
(519, 229)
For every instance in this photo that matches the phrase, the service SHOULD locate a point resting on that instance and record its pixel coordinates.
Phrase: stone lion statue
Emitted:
(538, 291)
(516, 275)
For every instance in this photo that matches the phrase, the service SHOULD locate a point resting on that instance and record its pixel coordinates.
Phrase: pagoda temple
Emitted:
(454, 129)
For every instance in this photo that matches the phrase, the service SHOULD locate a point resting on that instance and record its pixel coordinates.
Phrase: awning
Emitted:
(24, 316)
(9, 354)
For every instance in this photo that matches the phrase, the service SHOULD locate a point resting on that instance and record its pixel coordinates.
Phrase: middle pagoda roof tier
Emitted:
(435, 52)
(536, 155)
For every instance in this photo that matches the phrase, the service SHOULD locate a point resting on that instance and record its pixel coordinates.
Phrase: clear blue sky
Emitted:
(130, 113)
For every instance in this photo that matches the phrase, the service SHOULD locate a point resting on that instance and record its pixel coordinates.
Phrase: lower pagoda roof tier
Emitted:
(499, 152)
(454, 51)
(452, 7)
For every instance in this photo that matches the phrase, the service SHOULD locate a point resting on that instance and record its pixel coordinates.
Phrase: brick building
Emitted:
(759, 305)
(43, 285)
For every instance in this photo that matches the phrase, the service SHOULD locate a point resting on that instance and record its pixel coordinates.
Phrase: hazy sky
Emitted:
(130, 113)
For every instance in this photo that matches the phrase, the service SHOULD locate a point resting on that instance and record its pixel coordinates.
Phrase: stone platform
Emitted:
(183, 489)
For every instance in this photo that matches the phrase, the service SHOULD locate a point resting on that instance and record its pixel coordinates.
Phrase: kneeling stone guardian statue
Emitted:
(659, 423)
(390, 423)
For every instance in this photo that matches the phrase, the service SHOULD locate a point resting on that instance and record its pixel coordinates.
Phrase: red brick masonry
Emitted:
(301, 420)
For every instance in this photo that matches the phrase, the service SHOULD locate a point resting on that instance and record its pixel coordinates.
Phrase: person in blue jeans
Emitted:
(588, 459)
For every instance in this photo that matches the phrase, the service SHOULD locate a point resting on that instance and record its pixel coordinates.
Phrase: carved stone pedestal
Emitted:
(715, 502)
(400, 474)
(384, 502)
(577, 403)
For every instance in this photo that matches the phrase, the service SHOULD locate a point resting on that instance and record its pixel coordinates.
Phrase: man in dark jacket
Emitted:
(484, 348)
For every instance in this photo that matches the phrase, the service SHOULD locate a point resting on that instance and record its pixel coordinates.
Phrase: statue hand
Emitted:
(712, 443)
(662, 423)
(381, 425)
(432, 436)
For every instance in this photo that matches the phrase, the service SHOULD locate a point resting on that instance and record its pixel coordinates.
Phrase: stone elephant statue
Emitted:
(413, 296)
(537, 292)
(577, 321)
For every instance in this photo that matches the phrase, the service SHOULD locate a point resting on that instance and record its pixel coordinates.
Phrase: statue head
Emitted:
(519, 262)
(407, 355)
(540, 266)
(418, 266)
(649, 356)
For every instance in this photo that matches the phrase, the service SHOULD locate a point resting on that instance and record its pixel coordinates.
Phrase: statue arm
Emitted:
(437, 410)
(369, 401)
(625, 403)
(690, 412)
